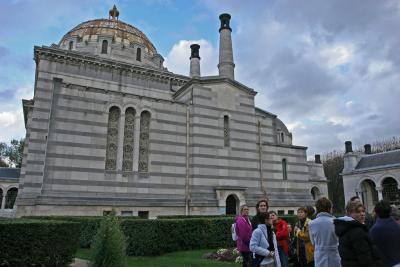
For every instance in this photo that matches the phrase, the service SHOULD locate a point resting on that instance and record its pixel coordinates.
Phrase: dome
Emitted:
(121, 32)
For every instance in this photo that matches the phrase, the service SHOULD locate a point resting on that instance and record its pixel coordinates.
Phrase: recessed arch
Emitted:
(232, 204)
(11, 196)
(138, 54)
(1, 196)
(129, 134)
(112, 138)
(369, 194)
(104, 47)
(390, 190)
(315, 192)
(144, 136)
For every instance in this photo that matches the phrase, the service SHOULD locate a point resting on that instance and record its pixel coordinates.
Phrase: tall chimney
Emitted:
(194, 61)
(367, 149)
(317, 158)
(349, 148)
(226, 66)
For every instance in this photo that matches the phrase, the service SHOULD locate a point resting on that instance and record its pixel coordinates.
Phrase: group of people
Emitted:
(318, 238)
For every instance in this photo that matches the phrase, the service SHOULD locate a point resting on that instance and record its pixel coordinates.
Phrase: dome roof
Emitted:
(120, 32)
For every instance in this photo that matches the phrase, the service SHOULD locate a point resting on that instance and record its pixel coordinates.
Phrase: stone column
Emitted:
(136, 143)
(121, 128)
(380, 195)
(3, 203)
(226, 66)
(195, 61)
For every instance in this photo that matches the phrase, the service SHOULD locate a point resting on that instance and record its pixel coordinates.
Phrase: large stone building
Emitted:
(110, 127)
(371, 176)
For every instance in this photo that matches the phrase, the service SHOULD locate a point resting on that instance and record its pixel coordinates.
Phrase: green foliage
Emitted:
(109, 247)
(155, 237)
(89, 225)
(193, 216)
(12, 153)
(292, 219)
(47, 243)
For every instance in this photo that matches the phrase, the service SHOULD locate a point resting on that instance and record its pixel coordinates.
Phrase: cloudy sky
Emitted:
(329, 69)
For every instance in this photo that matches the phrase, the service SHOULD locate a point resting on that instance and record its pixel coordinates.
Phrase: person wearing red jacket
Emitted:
(282, 236)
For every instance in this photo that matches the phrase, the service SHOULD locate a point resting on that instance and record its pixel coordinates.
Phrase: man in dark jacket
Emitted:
(261, 207)
(386, 234)
(356, 248)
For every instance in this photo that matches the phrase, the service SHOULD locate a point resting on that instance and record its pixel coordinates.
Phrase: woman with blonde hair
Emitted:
(355, 246)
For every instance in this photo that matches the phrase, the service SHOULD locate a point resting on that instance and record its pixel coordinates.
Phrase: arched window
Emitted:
(104, 47)
(70, 45)
(112, 138)
(129, 133)
(369, 194)
(284, 169)
(282, 137)
(139, 54)
(226, 130)
(1, 197)
(315, 193)
(231, 205)
(11, 197)
(144, 141)
(390, 191)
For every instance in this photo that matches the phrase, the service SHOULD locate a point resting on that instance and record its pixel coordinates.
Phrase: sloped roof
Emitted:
(9, 173)
(384, 159)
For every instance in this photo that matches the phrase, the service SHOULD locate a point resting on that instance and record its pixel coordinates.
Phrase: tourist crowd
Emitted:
(318, 239)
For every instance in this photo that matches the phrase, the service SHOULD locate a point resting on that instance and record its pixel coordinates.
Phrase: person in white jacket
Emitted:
(323, 237)
(263, 243)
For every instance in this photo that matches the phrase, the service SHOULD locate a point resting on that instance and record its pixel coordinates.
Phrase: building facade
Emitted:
(372, 177)
(110, 127)
(8, 191)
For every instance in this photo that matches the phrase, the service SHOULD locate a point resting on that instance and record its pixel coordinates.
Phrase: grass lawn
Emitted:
(176, 259)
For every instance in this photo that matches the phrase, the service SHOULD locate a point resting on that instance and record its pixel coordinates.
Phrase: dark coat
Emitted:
(255, 221)
(386, 235)
(356, 248)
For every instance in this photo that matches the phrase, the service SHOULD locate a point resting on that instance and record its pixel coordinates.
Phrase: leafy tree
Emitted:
(14, 152)
(109, 248)
(3, 150)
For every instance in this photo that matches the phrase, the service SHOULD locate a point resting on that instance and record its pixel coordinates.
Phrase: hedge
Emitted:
(88, 226)
(44, 243)
(194, 216)
(154, 237)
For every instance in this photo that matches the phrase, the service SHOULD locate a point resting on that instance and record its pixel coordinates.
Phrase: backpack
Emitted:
(233, 231)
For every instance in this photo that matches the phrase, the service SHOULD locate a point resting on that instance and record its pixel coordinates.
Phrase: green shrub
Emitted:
(155, 237)
(109, 248)
(46, 243)
(89, 225)
(194, 216)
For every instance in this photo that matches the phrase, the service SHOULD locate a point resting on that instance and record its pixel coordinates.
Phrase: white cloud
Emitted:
(379, 66)
(337, 55)
(7, 118)
(178, 60)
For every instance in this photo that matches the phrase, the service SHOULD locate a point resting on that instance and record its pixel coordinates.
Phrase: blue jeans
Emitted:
(283, 257)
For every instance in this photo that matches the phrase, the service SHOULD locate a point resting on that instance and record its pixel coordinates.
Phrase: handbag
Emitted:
(257, 259)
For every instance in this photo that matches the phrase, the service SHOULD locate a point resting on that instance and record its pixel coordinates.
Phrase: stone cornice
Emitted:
(213, 80)
(78, 58)
(284, 145)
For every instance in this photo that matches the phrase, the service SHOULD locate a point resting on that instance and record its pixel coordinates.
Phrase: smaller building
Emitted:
(8, 191)
(373, 177)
